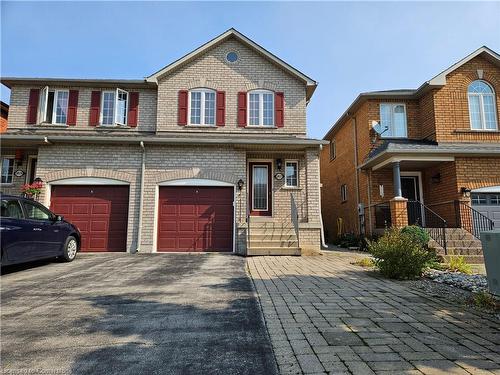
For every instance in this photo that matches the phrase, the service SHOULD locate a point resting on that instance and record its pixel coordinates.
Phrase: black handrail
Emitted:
(419, 214)
(474, 221)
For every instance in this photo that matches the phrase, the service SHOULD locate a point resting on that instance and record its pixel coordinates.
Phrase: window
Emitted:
(53, 106)
(114, 107)
(482, 111)
(393, 120)
(7, 170)
(333, 150)
(479, 199)
(11, 208)
(232, 57)
(202, 107)
(343, 193)
(261, 108)
(291, 174)
(35, 211)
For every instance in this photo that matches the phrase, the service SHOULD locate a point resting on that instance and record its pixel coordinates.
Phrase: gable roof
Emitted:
(435, 82)
(233, 33)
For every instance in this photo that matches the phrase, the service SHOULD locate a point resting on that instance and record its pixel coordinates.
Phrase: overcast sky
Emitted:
(347, 47)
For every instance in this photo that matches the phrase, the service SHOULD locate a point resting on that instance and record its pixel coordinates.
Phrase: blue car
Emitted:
(30, 231)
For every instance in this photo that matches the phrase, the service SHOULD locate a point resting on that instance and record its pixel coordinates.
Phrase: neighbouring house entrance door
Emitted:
(410, 190)
(260, 189)
(31, 174)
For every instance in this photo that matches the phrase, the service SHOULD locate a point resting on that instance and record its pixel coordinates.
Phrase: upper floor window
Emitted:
(292, 174)
(202, 107)
(482, 109)
(53, 106)
(333, 150)
(393, 120)
(7, 170)
(343, 193)
(114, 107)
(261, 108)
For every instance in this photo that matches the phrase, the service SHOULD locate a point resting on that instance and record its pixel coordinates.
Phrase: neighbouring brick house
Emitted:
(4, 116)
(429, 156)
(209, 153)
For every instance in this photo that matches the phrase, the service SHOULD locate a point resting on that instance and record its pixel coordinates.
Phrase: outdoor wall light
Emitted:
(279, 163)
(436, 178)
(465, 192)
(240, 184)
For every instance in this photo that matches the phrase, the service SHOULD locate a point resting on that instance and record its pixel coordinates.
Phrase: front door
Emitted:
(411, 191)
(31, 175)
(260, 189)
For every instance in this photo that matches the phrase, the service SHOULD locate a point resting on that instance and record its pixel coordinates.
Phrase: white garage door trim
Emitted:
(488, 189)
(190, 182)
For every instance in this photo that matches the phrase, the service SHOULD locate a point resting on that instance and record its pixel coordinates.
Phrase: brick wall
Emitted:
(251, 71)
(19, 96)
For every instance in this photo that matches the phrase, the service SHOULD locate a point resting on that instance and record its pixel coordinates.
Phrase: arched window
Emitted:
(202, 107)
(261, 108)
(482, 109)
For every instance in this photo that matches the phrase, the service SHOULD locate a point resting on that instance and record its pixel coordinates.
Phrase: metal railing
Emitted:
(473, 221)
(248, 227)
(294, 213)
(423, 216)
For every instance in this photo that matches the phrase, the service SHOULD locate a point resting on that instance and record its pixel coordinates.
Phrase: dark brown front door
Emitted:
(99, 212)
(260, 189)
(195, 218)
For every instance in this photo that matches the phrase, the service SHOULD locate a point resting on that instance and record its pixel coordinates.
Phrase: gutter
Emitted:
(141, 196)
(322, 231)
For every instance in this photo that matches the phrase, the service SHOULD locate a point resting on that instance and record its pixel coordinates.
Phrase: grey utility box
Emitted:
(491, 253)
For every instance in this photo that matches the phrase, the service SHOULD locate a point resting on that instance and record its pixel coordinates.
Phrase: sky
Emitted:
(348, 47)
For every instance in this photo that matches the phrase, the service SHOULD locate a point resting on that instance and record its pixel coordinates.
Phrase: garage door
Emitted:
(99, 212)
(488, 204)
(195, 218)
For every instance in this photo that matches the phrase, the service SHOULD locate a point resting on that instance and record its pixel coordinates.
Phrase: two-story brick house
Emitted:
(418, 156)
(210, 153)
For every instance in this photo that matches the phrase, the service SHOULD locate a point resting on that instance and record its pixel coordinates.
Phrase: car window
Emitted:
(11, 208)
(35, 211)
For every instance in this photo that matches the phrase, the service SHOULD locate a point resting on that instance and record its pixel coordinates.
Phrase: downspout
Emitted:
(322, 231)
(141, 196)
(355, 131)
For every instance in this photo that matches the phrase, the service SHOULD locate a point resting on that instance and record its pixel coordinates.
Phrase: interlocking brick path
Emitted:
(325, 315)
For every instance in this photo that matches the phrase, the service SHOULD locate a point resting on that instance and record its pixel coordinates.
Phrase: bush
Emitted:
(364, 262)
(398, 255)
(349, 240)
(418, 234)
(458, 264)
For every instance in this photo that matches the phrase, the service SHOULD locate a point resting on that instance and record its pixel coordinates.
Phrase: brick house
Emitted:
(428, 156)
(209, 153)
(4, 116)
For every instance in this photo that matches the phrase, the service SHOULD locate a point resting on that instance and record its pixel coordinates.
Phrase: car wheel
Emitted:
(70, 249)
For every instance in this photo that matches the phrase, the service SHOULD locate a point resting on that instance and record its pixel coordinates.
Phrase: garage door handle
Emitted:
(37, 229)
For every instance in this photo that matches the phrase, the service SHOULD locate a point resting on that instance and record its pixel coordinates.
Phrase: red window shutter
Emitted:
(33, 106)
(242, 109)
(72, 107)
(183, 107)
(95, 108)
(279, 109)
(133, 109)
(221, 108)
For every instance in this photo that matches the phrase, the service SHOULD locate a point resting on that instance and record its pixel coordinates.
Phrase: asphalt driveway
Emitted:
(134, 314)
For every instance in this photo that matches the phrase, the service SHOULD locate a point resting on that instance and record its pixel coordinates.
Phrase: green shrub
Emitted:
(485, 300)
(349, 240)
(419, 234)
(458, 264)
(364, 262)
(399, 255)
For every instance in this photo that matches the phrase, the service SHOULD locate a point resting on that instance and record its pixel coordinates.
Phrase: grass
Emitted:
(485, 300)
(364, 262)
(458, 264)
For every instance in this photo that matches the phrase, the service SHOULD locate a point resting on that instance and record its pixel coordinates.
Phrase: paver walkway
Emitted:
(325, 315)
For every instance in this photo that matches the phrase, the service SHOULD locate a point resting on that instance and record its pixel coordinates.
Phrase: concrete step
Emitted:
(252, 250)
(272, 231)
(471, 259)
(272, 243)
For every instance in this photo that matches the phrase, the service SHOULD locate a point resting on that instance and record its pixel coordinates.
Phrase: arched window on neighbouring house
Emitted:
(482, 109)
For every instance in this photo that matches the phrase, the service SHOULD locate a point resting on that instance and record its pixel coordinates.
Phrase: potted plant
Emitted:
(32, 190)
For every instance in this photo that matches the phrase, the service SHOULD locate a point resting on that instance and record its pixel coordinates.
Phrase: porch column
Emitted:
(396, 175)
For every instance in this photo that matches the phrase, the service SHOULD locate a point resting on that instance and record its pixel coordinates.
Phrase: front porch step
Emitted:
(258, 250)
(471, 259)
(273, 243)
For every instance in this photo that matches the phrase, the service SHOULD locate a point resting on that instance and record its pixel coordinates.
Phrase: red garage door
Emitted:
(195, 219)
(99, 212)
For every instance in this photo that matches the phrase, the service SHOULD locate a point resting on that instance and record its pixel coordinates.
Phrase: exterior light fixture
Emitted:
(279, 164)
(436, 178)
(465, 192)
(240, 184)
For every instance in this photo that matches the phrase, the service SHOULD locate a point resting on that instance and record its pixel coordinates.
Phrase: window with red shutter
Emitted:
(33, 106)
(242, 109)
(183, 107)
(221, 108)
(133, 109)
(95, 108)
(72, 107)
(279, 109)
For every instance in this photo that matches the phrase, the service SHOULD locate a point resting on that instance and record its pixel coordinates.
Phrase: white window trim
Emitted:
(261, 108)
(203, 91)
(296, 162)
(42, 111)
(115, 108)
(333, 155)
(54, 108)
(343, 193)
(481, 108)
(253, 189)
(394, 105)
(13, 167)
